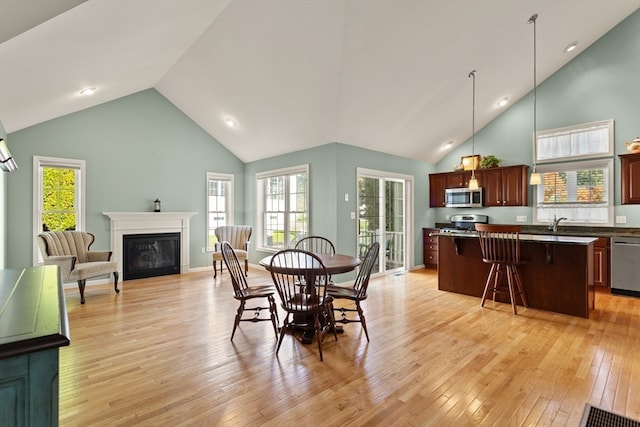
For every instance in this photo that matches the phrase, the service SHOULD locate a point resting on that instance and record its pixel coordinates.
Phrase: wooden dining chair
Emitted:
(295, 273)
(317, 245)
(500, 245)
(244, 293)
(358, 292)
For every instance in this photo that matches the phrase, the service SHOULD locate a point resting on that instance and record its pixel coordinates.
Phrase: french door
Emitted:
(384, 207)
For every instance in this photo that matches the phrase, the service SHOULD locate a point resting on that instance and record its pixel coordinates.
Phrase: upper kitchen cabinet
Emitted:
(439, 182)
(505, 186)
(437, 185)
(458, 179)
(630, 178)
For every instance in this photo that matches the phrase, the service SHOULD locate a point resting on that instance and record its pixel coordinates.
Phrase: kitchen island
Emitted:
(557, 276)
(33, 325)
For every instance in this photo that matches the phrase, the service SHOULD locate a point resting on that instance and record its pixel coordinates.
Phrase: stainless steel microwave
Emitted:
(463, 198)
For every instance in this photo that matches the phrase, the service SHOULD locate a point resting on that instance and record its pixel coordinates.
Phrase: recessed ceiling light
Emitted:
(571, 47)
(447, 145)
(230, 122)
(88, 91)
(504, 101)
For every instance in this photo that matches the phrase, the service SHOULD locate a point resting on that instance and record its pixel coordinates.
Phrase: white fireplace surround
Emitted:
(124, 223)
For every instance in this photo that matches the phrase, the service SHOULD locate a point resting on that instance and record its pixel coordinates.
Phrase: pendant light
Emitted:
(535, 178)
(473, 182)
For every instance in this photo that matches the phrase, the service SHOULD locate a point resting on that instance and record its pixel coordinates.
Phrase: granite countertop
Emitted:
(574, 230)
(536, 238)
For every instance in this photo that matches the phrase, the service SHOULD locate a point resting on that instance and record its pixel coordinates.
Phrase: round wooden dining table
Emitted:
(334, 263)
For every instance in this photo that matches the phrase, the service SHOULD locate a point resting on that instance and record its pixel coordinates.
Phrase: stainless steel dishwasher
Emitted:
(625, 266)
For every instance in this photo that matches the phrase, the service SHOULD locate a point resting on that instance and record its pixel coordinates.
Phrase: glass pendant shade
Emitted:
(473, 183)
(535, 179)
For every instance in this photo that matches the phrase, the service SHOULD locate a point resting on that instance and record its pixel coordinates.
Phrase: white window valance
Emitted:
(583, 141)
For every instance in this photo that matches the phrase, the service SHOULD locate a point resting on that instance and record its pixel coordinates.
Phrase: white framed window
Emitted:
(582, 192)
(577, 174)
(585, 141)
(219, 205)
(283, 207)
(59, 197)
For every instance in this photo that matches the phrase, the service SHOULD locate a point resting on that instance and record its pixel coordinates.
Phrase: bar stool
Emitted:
(500, 245)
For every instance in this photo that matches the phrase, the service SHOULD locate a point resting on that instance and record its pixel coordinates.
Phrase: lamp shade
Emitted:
(535, 179)
(473, 183)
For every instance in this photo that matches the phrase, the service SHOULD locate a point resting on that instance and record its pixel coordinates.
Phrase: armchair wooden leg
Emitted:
(115, 282)
(246, 267)
(215, 270)
(81, 284)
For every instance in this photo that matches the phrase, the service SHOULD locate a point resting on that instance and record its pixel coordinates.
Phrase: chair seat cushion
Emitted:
(86, 270)
(341, 292)
(258, 291)
(241, 254)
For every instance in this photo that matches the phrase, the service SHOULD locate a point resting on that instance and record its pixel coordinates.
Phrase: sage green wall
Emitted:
(332, 170)
(601, 83)
(137, 148)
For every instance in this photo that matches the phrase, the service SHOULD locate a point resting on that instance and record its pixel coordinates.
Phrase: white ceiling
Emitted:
(388, 75)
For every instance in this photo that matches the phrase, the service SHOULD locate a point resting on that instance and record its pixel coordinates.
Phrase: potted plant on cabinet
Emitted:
(489, 161)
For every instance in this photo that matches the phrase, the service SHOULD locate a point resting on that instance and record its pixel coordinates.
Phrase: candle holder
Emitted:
(156, 205)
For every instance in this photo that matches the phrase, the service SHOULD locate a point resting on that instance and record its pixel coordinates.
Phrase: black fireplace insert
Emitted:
(150, 255)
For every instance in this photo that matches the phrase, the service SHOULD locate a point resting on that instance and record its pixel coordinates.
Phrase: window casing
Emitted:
(219, 205)
(59, 197)
(577, 174)
(283, 207)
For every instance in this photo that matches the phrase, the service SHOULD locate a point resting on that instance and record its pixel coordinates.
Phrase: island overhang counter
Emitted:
(557, 275)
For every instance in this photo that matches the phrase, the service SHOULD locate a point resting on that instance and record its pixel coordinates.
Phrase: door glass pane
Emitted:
(369, 215)
(394, 224)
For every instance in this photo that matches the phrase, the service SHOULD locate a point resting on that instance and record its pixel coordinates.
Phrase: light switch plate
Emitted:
(521, 218)
(621, 219)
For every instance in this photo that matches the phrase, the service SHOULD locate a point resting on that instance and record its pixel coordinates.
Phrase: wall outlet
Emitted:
(621, 219)
(346, 197)
(521, 218)
(353, 215)
(203, 250)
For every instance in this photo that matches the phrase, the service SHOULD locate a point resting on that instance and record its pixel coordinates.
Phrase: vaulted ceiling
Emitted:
(388, 75)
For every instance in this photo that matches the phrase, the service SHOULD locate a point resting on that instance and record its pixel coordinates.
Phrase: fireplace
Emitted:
(150, 255)
(128, 223)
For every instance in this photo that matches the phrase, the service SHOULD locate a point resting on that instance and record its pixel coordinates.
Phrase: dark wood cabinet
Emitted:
(630, 178)
(601, 251)
(429, 248)
(458, 179)
(437, 185)
(506, 186)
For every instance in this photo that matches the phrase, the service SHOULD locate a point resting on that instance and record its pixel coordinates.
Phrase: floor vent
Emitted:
(596, 417)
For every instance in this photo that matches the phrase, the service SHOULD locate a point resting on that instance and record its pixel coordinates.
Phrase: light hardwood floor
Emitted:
(159, 354)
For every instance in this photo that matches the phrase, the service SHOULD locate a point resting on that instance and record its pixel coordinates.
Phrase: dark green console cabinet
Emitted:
(33, 326)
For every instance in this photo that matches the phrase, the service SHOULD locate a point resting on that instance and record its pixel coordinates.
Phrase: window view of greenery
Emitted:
(285, 213)
(575, 187)
(58, 199)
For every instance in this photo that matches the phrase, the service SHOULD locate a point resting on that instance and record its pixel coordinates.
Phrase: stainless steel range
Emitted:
(465, 223)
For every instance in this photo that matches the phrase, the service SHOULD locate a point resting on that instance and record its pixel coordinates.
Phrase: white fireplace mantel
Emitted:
(124, 223)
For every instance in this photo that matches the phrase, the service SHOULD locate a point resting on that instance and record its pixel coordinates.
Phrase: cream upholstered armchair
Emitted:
(70, 251)
(238, 237)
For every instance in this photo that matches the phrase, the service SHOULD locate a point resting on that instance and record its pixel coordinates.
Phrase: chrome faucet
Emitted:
(554, 225)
